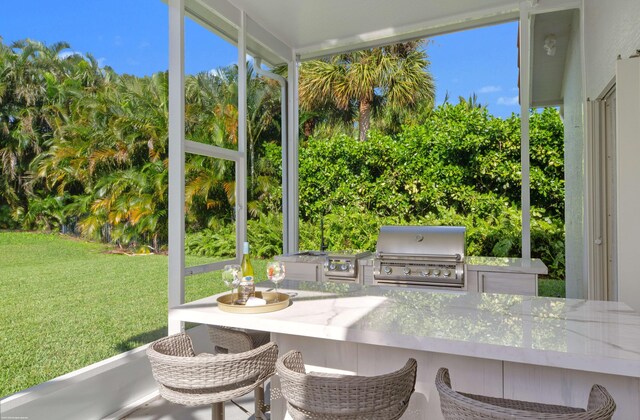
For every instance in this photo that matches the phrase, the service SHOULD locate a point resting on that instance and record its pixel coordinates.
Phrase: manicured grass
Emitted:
(551, 288)
(65, 304)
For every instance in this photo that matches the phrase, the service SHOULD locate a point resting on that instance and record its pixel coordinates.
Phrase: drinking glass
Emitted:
(276, 273)
(231, 277)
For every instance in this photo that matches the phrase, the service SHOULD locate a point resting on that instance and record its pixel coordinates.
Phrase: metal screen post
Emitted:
(176, 159)
(241, 168)
(525, 92)
(293, 198)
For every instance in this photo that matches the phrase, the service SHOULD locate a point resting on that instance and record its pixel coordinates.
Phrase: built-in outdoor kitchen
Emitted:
(419, 257)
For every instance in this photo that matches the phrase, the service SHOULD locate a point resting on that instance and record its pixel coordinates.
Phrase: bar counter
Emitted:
(521, 347)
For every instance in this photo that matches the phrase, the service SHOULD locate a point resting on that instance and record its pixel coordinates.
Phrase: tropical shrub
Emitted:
(212, 243)
(264, 235)
(85, 149)
(498, 236)
(461, 166)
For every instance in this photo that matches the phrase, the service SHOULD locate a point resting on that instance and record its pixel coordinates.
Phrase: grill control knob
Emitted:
(436, 272)
(425, 273)
(446, 273)
(387, 270)
(406, 270)
(332, 266)
(343, 267)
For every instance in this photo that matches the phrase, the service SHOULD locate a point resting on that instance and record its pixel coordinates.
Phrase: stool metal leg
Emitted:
(217, 411)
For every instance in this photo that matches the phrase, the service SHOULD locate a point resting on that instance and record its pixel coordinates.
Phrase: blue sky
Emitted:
(131, 36)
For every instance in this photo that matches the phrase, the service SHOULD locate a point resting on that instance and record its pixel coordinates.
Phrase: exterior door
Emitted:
(611, 278)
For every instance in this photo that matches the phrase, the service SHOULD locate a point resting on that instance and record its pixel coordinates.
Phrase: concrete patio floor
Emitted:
(161, 409)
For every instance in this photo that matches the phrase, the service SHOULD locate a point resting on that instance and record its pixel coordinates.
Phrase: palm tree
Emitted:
(394, 76)
(211, 117)
(30, 73)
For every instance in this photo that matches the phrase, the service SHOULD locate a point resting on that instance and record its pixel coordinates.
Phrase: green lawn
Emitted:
(551, 288)
(66, 304)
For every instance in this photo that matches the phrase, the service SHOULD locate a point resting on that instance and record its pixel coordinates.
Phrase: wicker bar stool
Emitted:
(459, 405)
(191, 380)
(230, 340)
(344, 397)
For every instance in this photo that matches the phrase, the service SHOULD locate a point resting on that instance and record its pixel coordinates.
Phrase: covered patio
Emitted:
(595, 41)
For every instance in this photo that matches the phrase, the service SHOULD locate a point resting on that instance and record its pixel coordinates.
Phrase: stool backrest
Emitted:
(174, 364)
(344, 396)
(457, 405)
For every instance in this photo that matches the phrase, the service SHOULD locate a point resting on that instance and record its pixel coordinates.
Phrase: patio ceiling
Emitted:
(312, 28)
(548, 68)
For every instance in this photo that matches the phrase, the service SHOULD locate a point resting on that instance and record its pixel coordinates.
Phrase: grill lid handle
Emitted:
(455, 257)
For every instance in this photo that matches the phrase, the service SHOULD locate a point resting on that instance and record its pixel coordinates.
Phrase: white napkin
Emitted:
(254, 301)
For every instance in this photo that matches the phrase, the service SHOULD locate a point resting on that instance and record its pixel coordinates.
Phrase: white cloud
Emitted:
(143, 45)
(508, 100)
(66, 54)
(489, 89)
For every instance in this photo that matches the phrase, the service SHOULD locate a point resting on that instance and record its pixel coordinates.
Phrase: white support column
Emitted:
(283, 144)
(241, 167)
(293, 198)
(176, 158)
(525, 92)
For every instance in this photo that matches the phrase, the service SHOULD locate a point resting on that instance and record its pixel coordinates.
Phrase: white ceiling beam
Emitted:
(429, 28)
(223, 18)
(547, 103)
(547, 6)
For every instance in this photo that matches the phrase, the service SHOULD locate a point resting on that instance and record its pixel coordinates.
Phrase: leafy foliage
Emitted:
(85, 149)
(459, 167)
(459, 159)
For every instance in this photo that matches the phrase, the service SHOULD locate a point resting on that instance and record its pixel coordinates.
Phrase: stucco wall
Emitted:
(612, 28)
(628, 174)
(574, 165)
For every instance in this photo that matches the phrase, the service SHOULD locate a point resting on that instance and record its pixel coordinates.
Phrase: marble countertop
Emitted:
(593, 336)
(314, 257)
(507, 265)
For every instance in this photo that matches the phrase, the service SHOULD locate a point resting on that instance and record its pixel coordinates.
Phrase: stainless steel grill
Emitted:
(420, 256)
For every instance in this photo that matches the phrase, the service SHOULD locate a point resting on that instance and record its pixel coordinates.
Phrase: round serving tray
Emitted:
(275, 302)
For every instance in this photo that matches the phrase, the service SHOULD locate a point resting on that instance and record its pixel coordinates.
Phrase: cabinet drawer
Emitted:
(301, 271)
(511, 283)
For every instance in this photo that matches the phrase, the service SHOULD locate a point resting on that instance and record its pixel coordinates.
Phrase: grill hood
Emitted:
(442, 242)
